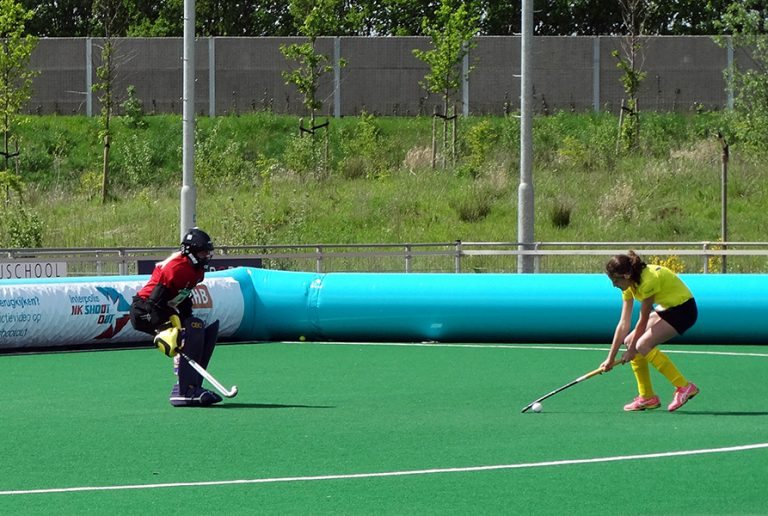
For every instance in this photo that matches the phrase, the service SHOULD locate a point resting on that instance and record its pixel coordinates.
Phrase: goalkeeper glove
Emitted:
(175, 321)
(169, 341)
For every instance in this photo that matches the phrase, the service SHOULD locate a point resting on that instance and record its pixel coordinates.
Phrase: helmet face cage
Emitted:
(195, 241)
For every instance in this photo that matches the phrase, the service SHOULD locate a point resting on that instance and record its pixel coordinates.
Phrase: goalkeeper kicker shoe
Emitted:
(194, 397)
(641, 403)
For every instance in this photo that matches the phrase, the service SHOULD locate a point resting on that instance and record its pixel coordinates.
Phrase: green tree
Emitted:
(110, 17)
(396, 17)
(315, 18)
(158, 19)
(15, 76)
(451, 34)
(243, 18)
(72, 18)
(21, 227)
(747, 23)
(630, 63)
(684, 17)
(60, 18)
(212, 18)
(599, 17)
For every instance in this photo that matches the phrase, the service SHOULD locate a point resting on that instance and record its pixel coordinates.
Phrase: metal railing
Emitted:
(458, 256)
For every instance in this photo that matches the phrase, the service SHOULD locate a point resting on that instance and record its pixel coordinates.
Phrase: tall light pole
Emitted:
(525, 211)
(724, 198)
(188, 194)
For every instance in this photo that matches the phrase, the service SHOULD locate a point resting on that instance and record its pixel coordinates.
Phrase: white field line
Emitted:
(522, 346)
(353, 476)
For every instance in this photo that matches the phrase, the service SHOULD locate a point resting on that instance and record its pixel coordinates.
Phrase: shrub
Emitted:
(267, 169)
(479, 140)
(301, 156)
(418, 158)
(220, 159)
(363, 149)
(560, 215)
(618, 204)
(24, 228)
(354, 167)
(472, 204)
(90, 184)
(673, 263)
(134, 110)
(137, 163)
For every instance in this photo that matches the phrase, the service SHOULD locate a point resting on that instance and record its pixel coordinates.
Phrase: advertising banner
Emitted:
(61, 313)
(217, 264)
(19, 270)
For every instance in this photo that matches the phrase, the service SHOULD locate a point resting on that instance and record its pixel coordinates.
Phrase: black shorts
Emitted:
(148, 317)
(681, 317)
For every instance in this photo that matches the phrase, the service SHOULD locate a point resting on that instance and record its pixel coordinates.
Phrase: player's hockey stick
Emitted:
(580, 379)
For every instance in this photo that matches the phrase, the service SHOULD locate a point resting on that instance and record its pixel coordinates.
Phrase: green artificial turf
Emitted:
(422, 416)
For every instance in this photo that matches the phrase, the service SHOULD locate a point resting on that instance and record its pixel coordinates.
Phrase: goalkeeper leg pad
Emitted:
(194, 346)
(211, 335)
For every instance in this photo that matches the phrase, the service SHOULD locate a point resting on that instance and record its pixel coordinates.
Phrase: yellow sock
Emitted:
(643, 376)
(665, 366)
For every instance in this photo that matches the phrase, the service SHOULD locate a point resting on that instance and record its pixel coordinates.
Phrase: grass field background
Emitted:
(257, 182)
(382, 429)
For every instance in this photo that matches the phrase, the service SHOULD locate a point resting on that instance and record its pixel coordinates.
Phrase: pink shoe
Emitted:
(641, 403)
(682, 395)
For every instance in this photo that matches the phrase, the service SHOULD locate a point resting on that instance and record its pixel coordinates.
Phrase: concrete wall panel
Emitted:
(382, 76)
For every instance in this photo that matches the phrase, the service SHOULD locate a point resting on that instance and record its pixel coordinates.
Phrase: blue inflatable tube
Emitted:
(265, 305)
(484, 307)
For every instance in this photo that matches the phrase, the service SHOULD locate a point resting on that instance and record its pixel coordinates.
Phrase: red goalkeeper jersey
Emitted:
(176, 274)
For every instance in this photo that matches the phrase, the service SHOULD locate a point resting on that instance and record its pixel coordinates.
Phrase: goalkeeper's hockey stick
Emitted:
(228, 393)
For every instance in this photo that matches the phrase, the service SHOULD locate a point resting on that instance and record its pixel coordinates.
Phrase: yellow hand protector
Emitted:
(168, 341)
(175, 321)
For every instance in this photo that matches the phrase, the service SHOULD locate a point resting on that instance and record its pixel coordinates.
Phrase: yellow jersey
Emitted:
(657, 280)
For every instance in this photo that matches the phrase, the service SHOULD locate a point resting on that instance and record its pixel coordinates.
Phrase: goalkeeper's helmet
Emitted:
(197, 246)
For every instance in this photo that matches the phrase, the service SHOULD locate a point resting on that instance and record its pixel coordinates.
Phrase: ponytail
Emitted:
(626, 264)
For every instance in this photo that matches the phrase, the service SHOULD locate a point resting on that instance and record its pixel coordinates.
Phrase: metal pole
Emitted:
(457, 257)
(212, 77)
(729, 67)
(188, 194)
(525, 190)
(89, 77)
(337, 77)
(408, 257)
(465, 82)
(596, 74)
(724, 199)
